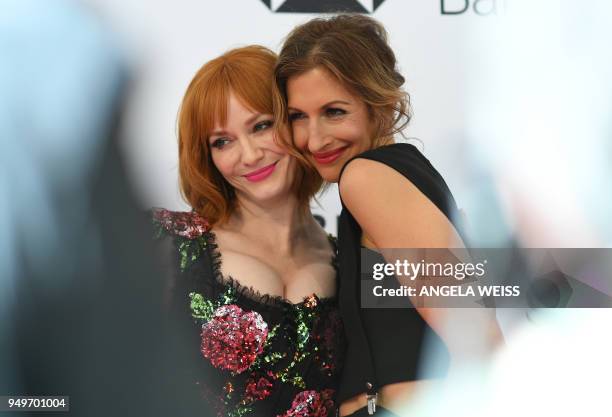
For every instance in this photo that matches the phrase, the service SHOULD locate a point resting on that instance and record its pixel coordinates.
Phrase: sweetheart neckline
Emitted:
(255, 295)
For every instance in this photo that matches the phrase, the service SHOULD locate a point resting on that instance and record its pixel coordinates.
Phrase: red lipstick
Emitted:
(328, 157)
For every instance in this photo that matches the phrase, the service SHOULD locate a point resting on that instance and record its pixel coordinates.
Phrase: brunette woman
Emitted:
(338, 86)
(251, 273)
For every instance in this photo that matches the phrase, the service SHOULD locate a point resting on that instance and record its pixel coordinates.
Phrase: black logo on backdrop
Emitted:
(324, 6)
(447, 7)
(480, 7)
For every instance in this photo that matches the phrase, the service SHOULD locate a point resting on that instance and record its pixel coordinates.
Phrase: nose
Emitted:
(251, 152)
(318, 138)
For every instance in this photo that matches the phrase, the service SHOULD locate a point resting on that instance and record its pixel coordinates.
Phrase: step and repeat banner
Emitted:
(510, 99)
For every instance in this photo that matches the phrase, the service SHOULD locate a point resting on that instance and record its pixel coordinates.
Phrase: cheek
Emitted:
(359, 130)
(349, 131)
(223, 162)
(274, 144)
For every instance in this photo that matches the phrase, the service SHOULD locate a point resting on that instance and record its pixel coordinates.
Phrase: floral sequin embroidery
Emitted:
(311, 404)
(187, 224)
(240, 342)
(189, 227)
(232, 339)
(259, 387)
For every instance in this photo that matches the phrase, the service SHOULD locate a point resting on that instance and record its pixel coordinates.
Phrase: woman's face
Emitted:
(330, 125)
(245, 153)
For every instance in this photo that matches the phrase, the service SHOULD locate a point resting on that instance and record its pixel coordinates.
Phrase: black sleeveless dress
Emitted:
(385, 346)
(240, 353)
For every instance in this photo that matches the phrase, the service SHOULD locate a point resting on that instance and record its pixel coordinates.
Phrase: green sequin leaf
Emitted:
(273, 357)
(272, 333)
(190, 251)
(303, 333)
(201, 308)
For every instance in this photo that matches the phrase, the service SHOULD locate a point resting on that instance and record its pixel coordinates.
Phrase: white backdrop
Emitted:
(470, 76)
(513, 108)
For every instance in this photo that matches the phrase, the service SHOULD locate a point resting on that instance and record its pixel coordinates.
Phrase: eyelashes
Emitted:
(335, 112)
(330, 112)
(263, 125)
(295, 116)
(221, 142)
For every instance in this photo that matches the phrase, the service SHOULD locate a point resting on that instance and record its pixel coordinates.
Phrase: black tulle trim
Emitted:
(249, 292)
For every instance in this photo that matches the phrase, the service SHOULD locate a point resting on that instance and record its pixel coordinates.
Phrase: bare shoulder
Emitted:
(371, 185)
(319, 239)
(391, 210)
(360, 176)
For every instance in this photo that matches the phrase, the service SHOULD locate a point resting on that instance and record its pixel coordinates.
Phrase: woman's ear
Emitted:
(375, 126)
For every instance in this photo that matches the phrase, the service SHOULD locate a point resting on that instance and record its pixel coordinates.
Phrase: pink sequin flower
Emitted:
(258, 388)
(311, 404)
(232, 339)
(188, 224)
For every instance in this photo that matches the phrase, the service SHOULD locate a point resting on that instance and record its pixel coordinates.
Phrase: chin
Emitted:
(329, 174)
(270, 193)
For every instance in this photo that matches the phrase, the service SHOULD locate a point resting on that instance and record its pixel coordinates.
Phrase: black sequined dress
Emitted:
(240, 353)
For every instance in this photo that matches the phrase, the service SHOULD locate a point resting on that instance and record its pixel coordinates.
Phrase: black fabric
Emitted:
(299, 366)
(385, 346)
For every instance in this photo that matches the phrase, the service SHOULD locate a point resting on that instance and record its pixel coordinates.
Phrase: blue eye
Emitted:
(219, 143)
(266, 124)
(296, 116)
(334, 112)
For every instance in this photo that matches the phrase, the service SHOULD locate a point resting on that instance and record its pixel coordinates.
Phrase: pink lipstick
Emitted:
(261, 174)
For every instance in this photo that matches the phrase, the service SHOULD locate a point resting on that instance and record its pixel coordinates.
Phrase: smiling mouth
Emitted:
(261, 174)
(330, 156)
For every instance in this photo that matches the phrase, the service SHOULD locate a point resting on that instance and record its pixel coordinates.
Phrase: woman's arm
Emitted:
(394, 213)
(391, 210)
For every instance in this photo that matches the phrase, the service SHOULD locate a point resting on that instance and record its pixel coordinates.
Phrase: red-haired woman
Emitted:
(250, 268)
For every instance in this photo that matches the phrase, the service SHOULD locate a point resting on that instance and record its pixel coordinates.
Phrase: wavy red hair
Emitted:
(248, 72)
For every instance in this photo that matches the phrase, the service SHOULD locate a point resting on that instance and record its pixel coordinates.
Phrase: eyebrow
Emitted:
(331, 103)
(217, 133)
(249, 121)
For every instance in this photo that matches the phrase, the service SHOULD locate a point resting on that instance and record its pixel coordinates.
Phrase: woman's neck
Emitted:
(279, 226)
(389, 140)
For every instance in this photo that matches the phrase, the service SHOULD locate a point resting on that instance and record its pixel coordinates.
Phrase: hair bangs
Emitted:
(252, 85)
(212, 105)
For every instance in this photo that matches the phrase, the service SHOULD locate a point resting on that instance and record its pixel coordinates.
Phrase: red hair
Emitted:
(248, 72)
